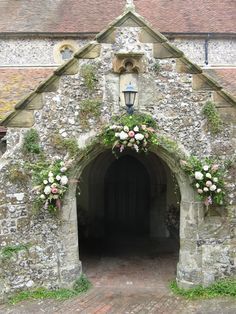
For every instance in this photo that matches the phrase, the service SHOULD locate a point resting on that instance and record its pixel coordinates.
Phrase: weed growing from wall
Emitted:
(88, 73)
(213, 118)
(69, 145)
(89, 109)
(31, 143)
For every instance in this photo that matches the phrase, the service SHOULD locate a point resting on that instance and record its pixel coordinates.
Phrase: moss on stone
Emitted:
(88, 73)
(213, 118)
(89, 109)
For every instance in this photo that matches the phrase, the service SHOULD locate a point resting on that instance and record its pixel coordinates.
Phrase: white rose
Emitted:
(205, 189)
(197, 185)
(63, 169)
(123, 135)
(42, 196)
(47, 190)
(213, 187)
(208, 183)
(200, 191)
(117, 134)
(208, 175)
(205, 168)
(139, 137)
(126, 129)
(136, 128)
(50, 174)
(218, 190)
(45, 181)
(51, 179)
(215, 179)
(58, 178)
(64, 180)
(198, 175)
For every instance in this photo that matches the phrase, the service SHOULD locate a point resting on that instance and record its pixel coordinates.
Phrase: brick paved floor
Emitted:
(127, 281)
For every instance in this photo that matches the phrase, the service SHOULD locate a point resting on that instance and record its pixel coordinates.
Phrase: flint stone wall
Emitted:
(207, 244)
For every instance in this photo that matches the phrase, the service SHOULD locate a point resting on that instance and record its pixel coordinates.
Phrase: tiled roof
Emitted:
(78, 16)
(226, 77)
(16, 83)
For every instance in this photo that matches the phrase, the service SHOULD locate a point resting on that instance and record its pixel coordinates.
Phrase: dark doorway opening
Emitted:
(127, 198)
(123, 218)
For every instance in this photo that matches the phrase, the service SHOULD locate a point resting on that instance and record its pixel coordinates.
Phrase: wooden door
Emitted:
(127, 197)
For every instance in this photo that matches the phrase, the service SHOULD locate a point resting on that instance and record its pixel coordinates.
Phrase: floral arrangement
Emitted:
(207, 180)
(131, 132)
(52, 184)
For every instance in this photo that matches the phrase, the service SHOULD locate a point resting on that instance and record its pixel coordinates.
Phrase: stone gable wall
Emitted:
(166, 95)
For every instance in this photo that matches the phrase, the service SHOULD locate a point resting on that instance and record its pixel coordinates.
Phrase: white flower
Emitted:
(208, 175)
(213, 187)
(58, 178)
(51, 179)
(123, 135)
(136, 148)
(200, 191)
(126, 128)
(208, 183)
(42, 196)
(139, 137)
(45, 181)
(113, 127)
(64, 180)
(215, 179)
(55, 196)
(205, 168)
(47, 190)
(197, 185)
(136, 128)
(117, 134)
(63, 169)
(198, 175)
(205, 189)
(62, 163)
(50, 174)
(218, 190)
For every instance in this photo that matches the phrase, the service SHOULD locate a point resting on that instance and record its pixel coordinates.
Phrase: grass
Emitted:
(221, 288)
(213, 117)
(8, 251)
(81, 286)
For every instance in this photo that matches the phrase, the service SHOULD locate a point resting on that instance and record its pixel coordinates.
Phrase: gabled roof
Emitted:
(23, 115)
(88, 16)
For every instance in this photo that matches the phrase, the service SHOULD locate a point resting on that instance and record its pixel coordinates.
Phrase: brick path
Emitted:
(127, 283)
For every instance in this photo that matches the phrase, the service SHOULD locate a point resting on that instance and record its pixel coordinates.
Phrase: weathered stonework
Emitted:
(207, 244)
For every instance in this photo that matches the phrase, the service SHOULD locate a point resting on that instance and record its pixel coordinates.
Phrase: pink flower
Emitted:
(131, 134)
(214, 167)
(54, 190)
(208, 201)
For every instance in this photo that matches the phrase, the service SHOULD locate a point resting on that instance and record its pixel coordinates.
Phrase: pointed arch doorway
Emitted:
(122, 212)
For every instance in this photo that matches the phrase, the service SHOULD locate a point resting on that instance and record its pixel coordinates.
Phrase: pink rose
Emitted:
(54, 190)
(214, 167)
(131, 134)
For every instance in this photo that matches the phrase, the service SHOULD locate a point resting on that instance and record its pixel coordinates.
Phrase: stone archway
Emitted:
(191, 214)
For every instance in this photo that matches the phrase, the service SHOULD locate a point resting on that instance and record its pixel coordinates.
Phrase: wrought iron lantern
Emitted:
(130, 95)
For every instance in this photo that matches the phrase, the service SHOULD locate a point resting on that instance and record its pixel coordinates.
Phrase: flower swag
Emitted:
(207, 179)
(135, 132)
(52, 183)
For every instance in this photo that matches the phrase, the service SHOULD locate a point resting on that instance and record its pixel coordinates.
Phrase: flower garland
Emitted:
(52, 185)
(207, 180)
(130, 133)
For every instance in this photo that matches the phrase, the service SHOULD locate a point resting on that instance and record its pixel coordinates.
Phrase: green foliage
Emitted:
(213, 117)
(69, 145)
(89, 108)
(226, 287)
(156, 67)
(135, 119)
(81, 286)
(169, 145)
(16, 174)
(8, 251)
(88, 72)
(31, 142)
